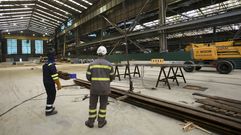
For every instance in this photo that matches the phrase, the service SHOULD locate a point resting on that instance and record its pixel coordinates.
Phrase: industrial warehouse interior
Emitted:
(120, 67)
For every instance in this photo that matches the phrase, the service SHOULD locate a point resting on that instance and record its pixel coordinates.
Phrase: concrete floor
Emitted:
(18, 83)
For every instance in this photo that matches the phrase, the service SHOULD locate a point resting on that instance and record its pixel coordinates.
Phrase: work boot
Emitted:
(89, 124)
(51, 113)
(102, 124)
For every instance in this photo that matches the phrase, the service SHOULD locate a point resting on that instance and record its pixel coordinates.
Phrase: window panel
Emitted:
(26, 47)
(38, 46)
(12, 46)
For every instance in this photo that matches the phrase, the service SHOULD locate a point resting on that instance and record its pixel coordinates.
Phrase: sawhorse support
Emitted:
(180, 75)
(127, 71)
(165, 79)
(136, 71)
(174, 77)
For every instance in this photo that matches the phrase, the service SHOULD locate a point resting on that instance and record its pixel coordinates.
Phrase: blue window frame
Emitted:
(12, 46)
(26, 46)
(38, 46)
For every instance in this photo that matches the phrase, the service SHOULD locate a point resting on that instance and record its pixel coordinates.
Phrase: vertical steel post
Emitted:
(64, 47)
(126, 49)
(162, 21)
(77, 41)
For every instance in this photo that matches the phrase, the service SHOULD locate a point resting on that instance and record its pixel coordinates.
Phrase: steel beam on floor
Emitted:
(206, 119)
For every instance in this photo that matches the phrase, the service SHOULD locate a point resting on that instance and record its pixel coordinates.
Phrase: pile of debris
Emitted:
(226, 106)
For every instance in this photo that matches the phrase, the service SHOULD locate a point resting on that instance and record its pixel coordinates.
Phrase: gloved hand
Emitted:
(59, 87)
(57, 82)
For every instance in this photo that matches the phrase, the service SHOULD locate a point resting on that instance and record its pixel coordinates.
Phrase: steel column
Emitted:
(77, 41)
(64, 47)
(162, 21)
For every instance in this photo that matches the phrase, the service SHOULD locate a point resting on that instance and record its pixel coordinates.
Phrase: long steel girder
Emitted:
(193, 24)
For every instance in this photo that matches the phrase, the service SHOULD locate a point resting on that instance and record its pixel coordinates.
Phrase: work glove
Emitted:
(57, 82)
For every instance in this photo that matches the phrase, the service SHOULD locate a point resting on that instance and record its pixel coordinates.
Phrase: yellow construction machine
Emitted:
(217, 54)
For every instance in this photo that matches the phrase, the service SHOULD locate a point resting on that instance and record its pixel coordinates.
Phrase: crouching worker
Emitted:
(50, 78)
(100, 74)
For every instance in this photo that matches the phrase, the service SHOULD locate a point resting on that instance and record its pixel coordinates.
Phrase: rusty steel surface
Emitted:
(212, 121)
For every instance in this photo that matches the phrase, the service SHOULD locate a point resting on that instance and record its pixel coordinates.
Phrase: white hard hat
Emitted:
(101, 50)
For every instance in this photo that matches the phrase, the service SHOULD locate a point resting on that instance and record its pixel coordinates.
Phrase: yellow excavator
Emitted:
(216, 54)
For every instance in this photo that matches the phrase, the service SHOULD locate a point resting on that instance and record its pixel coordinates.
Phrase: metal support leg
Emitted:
(174, 75)
(117, 71)
(166, 78)
(127, 71)
(158, 79)
(182, 75)
(136, 71)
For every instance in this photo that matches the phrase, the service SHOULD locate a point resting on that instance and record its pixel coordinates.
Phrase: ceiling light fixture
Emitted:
(50, 15)
(53, 6)
(78, 4)
(87, 2)
(68, 6)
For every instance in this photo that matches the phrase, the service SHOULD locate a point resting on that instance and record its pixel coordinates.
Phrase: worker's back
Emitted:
(100, 73)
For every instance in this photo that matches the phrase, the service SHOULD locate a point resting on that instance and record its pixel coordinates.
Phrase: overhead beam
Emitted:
(178, 25)
(91, 15)
(97, 12)
(15, 16)
(61, 15)
(43, 24)
(57, 17)
(41, 29)
(6, 2)
(24, 37)
(13, 19)
(17, 29)
(45, 17)
(15, 9)
(16, 13)
(123, 32)
(58, 2)
(46, 20)
(53, 7)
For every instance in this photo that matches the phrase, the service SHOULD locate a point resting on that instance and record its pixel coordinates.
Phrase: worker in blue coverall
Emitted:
(100, 74)
(50, 78)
